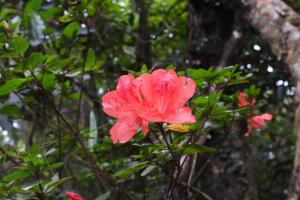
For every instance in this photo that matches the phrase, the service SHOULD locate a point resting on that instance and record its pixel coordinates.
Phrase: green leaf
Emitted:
(214, 97)
(11, 86)
(34, 60)
(17, 175)
(74, 96)
(201, 100)
(104, 196)
(48, 80)
(144, 69)
(30, 186)
(31, 6)
(11, 109)
(151, 148)
(54, 166)
(194, 148)
(238, 110)
(50, 13)
(72, 30)
(37, 160)
(148, 170)
(125, 173)
(74, 73)
(90, 59)
(19, 44)
(57, 65)
(200, 74)
(53, 184)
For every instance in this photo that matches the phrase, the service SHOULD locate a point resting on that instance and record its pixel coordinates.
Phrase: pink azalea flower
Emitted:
(122, 104)
(257, 121)
(73, 196)
(165, 95)
(244, 101)
(156, 97)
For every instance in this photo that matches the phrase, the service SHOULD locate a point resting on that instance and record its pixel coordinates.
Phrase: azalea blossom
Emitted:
(122, 104)
(164, 96)
(156, 97)
(73, 196)
(257, 121)
(243, 100)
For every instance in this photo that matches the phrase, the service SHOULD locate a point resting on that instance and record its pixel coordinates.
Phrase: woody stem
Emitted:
(168, 145)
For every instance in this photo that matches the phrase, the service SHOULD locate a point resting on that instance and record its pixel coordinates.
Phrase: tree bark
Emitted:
(211, 25)
(143, 47)
(215, 34)
(278, 25)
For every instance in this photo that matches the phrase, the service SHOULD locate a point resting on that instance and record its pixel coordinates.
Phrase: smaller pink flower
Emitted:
(73, 196)
(257, 121)
(244, 101)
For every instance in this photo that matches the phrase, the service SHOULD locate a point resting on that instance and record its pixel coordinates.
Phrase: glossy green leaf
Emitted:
(54, 166)
(148, 169)
(19, 44)
(125, 173)
(194, 148)
(50, 13)
(31, 6)
(10, 110)
(48, 80)
(11, 86)
(72, 30)
(54, 183)
(34, 60)
(90, 59)
(17, 175)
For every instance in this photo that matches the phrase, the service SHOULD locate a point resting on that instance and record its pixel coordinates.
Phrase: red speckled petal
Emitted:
(124, 129)
(258, 121)
(73, 196)
(186, 88)
(182, 115)
(114, 105)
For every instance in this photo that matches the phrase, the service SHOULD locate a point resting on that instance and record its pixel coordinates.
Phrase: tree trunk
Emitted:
(143, 47)
(211, 25)
(215, 32)
(278, 24)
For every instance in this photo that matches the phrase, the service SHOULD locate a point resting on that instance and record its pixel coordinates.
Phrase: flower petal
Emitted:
(258, 121)
(182, 115)
(128, 89)
(185, 89)
(124, 129)
(164, 94)
(114, 105)
(145, 126)
(73, 196)
(249, 131)
(243, 100)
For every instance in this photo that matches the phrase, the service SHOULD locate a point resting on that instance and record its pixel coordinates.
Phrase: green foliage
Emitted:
(194, 149)
(33, 174)
(10, 109)
(11, 86)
